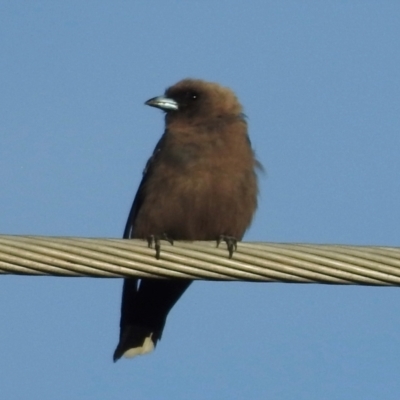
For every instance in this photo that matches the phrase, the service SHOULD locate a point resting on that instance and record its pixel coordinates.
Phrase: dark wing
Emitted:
(135, 313)
(139, 198)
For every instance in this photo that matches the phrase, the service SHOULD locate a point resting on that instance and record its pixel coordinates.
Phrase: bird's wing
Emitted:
(132, 334)
(139, 198)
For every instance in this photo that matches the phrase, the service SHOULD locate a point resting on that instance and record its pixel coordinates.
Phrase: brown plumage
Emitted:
(199, 184)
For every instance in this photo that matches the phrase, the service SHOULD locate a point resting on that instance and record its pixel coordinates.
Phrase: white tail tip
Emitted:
(147, 347)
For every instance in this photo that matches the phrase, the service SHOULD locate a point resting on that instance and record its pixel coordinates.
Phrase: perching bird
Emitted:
(199, 184)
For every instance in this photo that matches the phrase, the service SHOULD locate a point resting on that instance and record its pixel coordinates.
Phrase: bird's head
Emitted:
(196, 99)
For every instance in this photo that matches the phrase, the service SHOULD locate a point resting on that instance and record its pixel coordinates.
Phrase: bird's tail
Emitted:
(144, 310)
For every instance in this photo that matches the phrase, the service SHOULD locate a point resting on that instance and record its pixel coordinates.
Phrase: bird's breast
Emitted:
(193, 196)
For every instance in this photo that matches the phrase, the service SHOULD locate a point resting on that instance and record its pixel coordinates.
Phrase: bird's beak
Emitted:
(164, 103)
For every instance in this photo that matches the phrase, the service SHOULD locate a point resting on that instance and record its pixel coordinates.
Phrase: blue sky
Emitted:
(320, 83)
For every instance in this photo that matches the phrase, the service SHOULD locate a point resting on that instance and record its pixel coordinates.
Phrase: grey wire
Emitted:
(263, 262)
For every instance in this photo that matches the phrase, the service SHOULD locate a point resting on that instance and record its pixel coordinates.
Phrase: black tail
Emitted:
(144, 310)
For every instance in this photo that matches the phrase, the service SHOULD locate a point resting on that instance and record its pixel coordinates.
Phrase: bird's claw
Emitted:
(231, 243)
(156, 240)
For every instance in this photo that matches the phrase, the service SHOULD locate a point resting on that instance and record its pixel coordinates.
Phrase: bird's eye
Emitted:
(190, 95)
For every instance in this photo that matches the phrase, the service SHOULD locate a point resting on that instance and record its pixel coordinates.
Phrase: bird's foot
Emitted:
(156, 239)
(231, 243)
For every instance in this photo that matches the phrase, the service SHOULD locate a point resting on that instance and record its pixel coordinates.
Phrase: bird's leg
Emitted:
(156, 240)
(231, 243)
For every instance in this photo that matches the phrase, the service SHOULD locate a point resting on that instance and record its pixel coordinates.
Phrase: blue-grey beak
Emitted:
(164, 103)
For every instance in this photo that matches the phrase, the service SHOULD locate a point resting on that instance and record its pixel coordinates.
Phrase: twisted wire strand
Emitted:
(263, 262)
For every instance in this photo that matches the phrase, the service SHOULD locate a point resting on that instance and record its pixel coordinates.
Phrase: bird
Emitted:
(200, 183)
